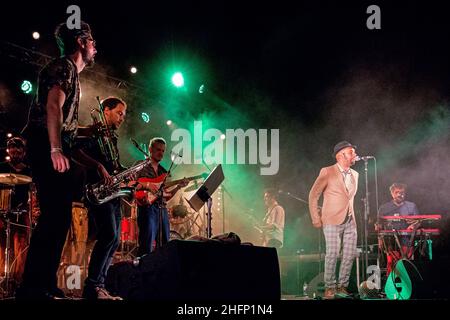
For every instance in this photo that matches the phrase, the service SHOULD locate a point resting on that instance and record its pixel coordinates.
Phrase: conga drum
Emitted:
(74, 252)
(5, 199)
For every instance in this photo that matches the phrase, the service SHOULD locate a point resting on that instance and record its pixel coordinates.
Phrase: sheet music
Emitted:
(209, 186)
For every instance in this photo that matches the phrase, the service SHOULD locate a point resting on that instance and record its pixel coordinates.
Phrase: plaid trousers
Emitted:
(334, 234)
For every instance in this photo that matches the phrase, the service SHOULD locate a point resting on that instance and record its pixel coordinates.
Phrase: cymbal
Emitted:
(180, 210)
(13, 178)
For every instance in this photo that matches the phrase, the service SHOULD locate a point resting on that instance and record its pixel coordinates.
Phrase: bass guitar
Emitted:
(150, 187)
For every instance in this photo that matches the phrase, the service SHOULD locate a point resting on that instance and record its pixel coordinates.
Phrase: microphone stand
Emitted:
(223, 191)
(294, 197)
(365, 246)
(366, 217)
(160, 202)
(136, 145)
(318, 230)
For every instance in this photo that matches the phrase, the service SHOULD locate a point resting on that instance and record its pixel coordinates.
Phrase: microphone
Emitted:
(365, 158)
(136, 144)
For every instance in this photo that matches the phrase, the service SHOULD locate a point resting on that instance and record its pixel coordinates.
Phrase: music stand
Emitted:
(204, 193)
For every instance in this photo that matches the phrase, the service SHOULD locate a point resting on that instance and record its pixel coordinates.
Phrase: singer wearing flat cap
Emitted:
(338, 184)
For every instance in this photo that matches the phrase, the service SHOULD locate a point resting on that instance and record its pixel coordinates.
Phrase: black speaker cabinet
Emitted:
(419, 280)
(206, 271)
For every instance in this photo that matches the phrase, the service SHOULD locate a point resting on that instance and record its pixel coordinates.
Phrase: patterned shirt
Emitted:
(60, 72)
(149, 172)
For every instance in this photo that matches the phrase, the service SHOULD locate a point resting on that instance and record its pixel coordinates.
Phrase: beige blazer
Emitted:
(337, 202)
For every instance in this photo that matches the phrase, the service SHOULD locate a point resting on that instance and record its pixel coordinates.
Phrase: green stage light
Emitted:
(178, 80)
(26, 87)
(145, 117)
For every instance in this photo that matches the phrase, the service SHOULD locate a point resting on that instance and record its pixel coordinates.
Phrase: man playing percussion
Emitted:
(18, 196)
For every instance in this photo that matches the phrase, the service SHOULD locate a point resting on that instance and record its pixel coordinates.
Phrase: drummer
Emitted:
(179, 220)
(15, 164)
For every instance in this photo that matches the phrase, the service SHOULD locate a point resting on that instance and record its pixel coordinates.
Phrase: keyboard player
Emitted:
(398, 206)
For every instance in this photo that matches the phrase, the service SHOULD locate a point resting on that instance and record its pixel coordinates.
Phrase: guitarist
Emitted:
(273, 227)
(149, 214)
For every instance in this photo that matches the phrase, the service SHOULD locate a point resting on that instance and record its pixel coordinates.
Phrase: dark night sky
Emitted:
(310, 68)
(290, 50)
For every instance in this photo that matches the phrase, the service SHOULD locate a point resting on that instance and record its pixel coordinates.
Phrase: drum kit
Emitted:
(183, 224)
(13, 219)
(128, 231)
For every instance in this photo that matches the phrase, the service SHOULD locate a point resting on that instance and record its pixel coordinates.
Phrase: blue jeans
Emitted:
(148, 223)
(107, 219)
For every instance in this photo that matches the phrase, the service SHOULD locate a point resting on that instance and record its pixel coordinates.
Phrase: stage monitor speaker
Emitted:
(192, 270)
(418, 280)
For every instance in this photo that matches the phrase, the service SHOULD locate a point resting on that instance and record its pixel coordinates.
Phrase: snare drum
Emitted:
(175, 235)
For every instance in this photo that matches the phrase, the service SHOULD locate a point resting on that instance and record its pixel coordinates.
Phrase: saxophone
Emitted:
(100, 192)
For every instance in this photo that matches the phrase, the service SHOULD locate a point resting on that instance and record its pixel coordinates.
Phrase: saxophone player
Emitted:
(106, 216)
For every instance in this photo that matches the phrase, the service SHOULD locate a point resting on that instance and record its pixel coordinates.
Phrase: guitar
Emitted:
(256, 224)
(150, 187)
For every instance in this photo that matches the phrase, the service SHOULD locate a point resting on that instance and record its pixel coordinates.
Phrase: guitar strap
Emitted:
(269, 213)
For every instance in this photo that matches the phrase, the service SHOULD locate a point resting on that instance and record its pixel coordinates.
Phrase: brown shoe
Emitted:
(103, 294)
(329, 293)
(342, 292)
